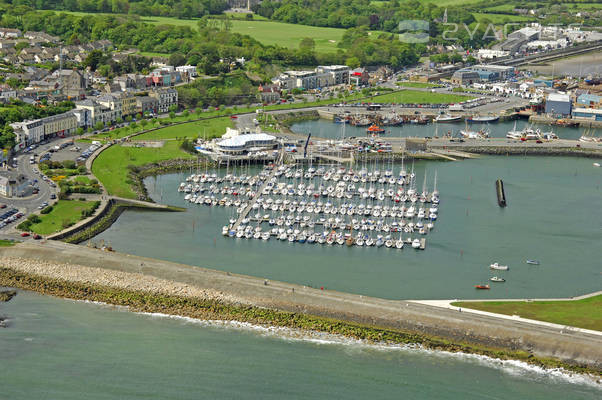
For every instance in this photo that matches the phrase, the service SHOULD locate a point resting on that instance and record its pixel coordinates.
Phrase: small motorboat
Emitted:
(596, 164)
(497, 279)
(533, 262)
(499, 267)
(481, 286)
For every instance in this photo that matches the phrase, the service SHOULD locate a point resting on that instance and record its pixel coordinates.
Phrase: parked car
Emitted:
(24, 234)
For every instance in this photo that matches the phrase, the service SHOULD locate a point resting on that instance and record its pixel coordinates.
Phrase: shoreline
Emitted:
(148, 285)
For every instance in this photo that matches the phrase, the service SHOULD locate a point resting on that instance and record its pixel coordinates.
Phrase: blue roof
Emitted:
(588, 98)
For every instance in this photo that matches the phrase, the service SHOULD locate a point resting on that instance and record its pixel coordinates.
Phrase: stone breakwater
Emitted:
(151, 285)
(114, 279)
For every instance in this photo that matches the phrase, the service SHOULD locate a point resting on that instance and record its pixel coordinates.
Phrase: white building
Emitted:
(488, 54)
(189, 70)
(27, 133)
(233, 142)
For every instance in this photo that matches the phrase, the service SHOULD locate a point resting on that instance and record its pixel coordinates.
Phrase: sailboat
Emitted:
(514, 134)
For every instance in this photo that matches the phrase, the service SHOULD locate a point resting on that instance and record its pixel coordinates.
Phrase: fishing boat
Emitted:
(375, 130)
(596, 164)
(448, 118)
(514, 134)
(483, 119)
(497, 279)
(498, 267)
(481, 286)
(533, 262)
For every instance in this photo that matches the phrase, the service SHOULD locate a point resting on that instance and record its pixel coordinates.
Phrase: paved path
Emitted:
(446, 304)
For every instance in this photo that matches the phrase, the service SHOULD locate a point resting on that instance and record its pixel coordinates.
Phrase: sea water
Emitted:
(62, 349)
(553, 215)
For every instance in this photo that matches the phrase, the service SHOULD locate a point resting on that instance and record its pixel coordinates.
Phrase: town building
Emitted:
(322, 76)
(359, 77)
(269, 93)
(27, 133)
(465, 77)
(12, 185)
(591, 114)
(189, 70)
(558, 104)
(60, 125)
(339, 73)
(166, 97)
(588, 100)
(128, 104)
(98, 112)
(147, 104)
(236, 143)
(111, 102)
(9, 33)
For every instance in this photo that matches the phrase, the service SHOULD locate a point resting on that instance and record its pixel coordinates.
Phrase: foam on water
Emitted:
(514, 368)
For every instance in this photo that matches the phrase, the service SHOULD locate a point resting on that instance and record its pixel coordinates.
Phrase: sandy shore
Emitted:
(91, 266)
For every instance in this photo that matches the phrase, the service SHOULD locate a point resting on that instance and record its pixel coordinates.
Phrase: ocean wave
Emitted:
(514, 368)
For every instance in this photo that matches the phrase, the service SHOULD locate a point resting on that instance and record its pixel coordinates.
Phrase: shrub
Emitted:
(46, 210)
(69, 164)
(34, 219)
(66, 224)
(24, 226)
(82, 170)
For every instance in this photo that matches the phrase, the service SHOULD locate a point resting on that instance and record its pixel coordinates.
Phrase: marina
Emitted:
(467, 237)
(368, 206)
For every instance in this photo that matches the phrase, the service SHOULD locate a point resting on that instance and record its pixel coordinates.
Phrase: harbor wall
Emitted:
(458, 331)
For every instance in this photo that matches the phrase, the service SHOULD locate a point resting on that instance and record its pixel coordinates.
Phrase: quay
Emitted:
(57, 260)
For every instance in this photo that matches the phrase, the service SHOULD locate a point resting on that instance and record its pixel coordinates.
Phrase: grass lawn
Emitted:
(62, 211)
(208, 128)
(417, 97)
(418, 84)
(6, 243)
(110, 167)
(586, 313)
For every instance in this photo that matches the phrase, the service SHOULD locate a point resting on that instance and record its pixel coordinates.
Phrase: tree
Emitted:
(128, 118)
(352, 62)
(143, 123)
(79, 131)
(172, 115)
(177, 59)
(307, 44)
(99, 126)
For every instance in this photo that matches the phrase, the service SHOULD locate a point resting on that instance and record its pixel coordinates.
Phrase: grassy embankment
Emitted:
(111, 166)
(7, 243)
(141, 301)
(585, 313)
(62, 215)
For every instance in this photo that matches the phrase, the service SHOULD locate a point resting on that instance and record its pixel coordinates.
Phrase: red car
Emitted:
(2, 205)
(37, 237)
(24, 234)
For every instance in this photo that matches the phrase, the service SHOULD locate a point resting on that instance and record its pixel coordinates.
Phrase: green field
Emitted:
(208, 128)
(111, 166)
(586, 313)
(63, 212)
(7, 243)
(418, 97)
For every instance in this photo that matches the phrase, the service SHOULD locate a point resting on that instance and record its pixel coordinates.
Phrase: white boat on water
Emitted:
(497, 279)
(498, 267)
(448, 118)
(416, 243)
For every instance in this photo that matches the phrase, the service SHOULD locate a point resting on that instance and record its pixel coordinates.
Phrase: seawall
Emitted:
(574, 348)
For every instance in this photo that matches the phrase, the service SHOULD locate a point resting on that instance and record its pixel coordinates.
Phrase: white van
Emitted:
(96, 143)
